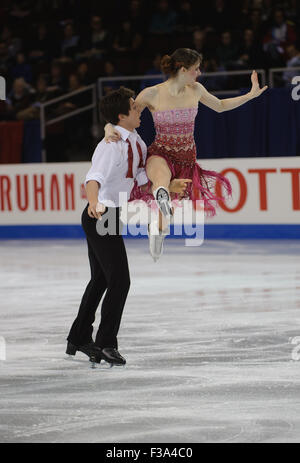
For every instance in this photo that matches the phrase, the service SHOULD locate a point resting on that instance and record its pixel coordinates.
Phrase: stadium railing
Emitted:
(206, 75)
(290, 72)
(45, 122)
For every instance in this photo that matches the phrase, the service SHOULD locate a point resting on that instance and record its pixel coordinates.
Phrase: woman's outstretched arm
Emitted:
(229, 103)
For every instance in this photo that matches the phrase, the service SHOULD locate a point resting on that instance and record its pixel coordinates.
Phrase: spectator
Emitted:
(22, 68)
(75, 101)
(227, 51)
(212, 83)
(266, 10)
(83, 74)
(127, 41)
(198, 42)
(77, 126)
(212, 41)
(293, 54)
(155, 70)
(74, 83)
(280, 34)
(137, 15)
(109, 71)
(14, 44)
(163, 21)
(219, 16)
(69, 45)
(42, 46)
(19, 98)
(41, 96)
(264, 7)
(187, 20)
(293, 11)
(42, 92)
(57, 82)
(251, 54)
(97, 42)
(256, 23)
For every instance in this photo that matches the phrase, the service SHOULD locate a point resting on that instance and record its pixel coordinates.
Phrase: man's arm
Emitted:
(92, 189)
(103, 163)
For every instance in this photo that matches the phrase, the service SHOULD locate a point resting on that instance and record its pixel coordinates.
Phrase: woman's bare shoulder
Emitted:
(149, 92)
(197, 88)
(148, 96)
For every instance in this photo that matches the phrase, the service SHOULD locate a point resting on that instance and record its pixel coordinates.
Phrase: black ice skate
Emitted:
(109, 354)
(87, 349)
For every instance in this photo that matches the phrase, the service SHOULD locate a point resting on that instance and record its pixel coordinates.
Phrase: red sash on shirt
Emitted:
(130, 158)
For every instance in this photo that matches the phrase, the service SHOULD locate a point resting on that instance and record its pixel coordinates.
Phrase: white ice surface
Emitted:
(206, 333)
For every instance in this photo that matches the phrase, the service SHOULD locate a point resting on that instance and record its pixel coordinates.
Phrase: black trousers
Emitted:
(110, 273)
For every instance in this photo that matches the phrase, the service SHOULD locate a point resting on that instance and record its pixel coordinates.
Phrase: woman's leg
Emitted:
(159, 174)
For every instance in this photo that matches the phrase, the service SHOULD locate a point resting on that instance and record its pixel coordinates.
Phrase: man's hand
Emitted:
(179, 186)
(256, 90)
(95, 210)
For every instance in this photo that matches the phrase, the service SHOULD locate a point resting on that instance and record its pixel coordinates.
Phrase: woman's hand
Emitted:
(96, 209)
(111, 134)
(179, 185)
(256, 90)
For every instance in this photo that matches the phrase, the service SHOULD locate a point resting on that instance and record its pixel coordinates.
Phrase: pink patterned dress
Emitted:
(175, 143)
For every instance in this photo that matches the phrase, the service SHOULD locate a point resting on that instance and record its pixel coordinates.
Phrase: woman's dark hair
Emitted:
(115, 103)
(185, 57)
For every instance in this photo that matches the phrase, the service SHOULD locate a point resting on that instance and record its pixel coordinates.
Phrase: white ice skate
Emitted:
(162, 199)
(156, 239)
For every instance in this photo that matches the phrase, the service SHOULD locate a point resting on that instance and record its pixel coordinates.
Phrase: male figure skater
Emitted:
(114, 168)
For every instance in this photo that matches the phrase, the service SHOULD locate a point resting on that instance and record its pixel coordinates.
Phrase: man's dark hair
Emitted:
(115, 103)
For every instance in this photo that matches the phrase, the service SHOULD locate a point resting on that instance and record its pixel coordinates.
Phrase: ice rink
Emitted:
(211, 335)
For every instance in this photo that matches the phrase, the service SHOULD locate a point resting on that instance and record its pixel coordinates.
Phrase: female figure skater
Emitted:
(174, 106)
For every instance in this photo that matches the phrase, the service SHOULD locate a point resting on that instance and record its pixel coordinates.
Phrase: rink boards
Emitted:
(46, 200)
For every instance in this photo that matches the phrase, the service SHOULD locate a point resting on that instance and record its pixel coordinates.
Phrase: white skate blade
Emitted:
(156, 239)
(103, 365)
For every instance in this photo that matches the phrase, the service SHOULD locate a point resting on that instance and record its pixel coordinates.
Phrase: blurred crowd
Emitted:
(50, 47)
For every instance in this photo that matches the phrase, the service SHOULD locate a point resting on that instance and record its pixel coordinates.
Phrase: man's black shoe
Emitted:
(87, 349)
(109, 354)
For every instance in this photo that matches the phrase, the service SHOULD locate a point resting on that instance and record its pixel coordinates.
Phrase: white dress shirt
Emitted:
(110, 166)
